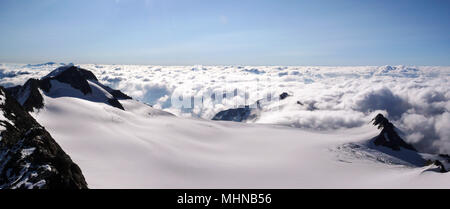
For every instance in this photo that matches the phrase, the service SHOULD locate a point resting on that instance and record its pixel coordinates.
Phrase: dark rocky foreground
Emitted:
(29, 157)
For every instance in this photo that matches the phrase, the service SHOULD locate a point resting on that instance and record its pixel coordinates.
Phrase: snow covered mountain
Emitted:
(66, 81)
(29, 156)
(119, 142)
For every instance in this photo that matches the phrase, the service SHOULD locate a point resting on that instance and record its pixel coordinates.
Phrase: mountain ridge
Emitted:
(30, 94)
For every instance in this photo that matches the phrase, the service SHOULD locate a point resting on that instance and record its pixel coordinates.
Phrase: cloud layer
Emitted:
(415, 98)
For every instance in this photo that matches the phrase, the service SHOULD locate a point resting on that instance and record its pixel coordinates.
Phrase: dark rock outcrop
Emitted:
(236, 114)
(29, 157)
(115, 93)
(441, 166)
(30, 97)
(115, 103)
(442, 161)
(388, 136)
(74, 76)
(245, 113)
(284, 95)
(398, 148)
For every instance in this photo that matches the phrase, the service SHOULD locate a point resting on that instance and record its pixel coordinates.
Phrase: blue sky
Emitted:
(233, 32)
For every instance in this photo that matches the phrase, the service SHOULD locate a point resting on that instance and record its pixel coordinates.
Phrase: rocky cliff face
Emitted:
(29, 157)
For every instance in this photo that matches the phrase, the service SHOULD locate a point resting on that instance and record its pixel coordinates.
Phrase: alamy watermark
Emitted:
(249, 94)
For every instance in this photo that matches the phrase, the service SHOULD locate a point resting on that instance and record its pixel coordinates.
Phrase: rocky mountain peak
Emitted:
(389, 136)
(74, 76)
(66, 81)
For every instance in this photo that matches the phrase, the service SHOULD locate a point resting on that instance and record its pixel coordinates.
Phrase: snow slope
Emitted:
(143, 147)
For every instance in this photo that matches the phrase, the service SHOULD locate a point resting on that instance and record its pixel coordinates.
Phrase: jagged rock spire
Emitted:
(388, 136)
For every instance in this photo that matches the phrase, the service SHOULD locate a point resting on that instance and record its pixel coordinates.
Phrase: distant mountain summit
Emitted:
(42, 64)
(29, 157)
(66, 81)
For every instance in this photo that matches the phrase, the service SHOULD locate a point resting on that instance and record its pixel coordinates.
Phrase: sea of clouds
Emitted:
(415, 99)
